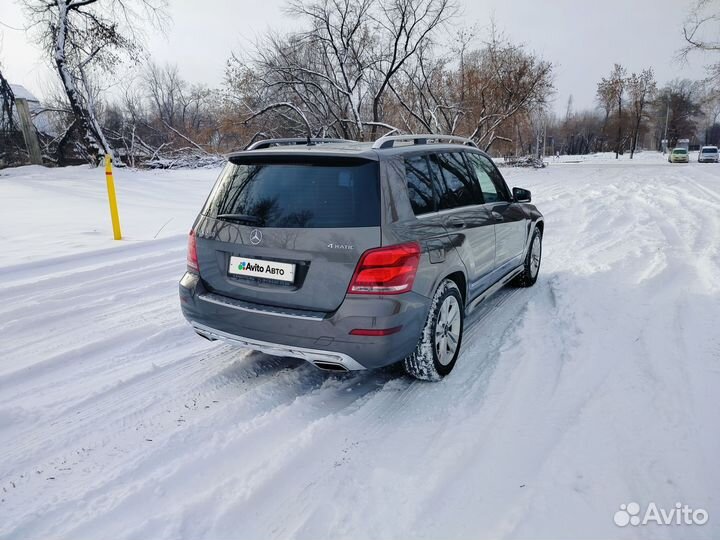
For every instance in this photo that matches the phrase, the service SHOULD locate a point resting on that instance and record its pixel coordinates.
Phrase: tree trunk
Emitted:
(619, 135)
(7, 98)
(93, 139)
(603, 131)
(635, 135)
(376, 117)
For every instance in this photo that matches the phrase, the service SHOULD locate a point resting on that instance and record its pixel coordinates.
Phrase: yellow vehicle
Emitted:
(679, 155)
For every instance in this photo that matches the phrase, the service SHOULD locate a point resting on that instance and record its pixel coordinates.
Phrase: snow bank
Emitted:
(48, 212)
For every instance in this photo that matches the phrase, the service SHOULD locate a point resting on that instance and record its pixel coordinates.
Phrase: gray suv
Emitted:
(357, 255)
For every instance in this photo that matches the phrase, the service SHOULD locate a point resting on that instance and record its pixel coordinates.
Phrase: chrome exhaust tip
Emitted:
(330, 366)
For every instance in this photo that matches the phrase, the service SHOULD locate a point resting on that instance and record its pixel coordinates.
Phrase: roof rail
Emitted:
(267, 143)
(389, 141)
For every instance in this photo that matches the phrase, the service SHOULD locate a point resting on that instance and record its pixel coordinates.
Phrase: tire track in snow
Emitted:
(371, 418)
(188, 375)
(253, 418)
(33, 274)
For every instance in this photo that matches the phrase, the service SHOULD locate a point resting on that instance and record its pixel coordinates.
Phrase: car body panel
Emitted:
(329, 332)
(479, 246)
(325, 261)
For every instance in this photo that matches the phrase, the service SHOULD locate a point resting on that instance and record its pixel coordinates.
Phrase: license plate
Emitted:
(257, 268)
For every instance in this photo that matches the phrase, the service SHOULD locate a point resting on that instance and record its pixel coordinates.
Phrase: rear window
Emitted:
(319, 194)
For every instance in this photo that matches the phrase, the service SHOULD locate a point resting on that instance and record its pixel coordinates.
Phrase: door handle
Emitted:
(498, 216)
(456, 223)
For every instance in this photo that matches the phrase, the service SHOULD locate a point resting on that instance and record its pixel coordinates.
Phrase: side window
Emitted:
(456, 185)
(491, 183)
(419, 185)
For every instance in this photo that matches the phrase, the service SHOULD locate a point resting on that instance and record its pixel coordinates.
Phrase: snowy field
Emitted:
(597, 387)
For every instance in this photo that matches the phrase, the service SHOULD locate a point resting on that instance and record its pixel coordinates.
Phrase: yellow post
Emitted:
(112, 198)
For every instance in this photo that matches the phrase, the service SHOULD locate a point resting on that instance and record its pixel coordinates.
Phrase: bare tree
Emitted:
(579, 133)
(641, 89)
(82, 35)
(405, 27)
(700, 32)
(429, 97)
(7, 100)
(611, 90)
(338, 71)
(507, 80)
(480, 96)
(680, 102)
(606, 101)
(8, 129)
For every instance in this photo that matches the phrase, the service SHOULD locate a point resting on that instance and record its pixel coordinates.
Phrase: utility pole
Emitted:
(28, 131)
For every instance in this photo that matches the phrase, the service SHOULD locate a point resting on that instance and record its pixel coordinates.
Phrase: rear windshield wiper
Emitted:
(242, 218)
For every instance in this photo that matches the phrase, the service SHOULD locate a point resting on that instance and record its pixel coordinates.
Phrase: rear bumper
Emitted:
(322, 339)
(332, 361)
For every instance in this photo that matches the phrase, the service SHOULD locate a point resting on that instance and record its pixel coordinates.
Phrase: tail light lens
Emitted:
(386, 270)
(192, 258)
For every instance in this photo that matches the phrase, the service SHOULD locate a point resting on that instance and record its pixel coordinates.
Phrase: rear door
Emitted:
(463, 214)
(288, 230)
(509, 217)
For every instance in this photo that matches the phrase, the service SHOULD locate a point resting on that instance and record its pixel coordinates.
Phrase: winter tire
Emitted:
(531, 268)
(439, 345)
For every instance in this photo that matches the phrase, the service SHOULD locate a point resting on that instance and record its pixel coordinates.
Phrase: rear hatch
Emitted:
(287, 230)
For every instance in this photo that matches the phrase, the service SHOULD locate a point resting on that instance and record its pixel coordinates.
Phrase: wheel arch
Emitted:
(461, 281)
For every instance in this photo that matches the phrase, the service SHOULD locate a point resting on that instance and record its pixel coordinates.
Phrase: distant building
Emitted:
(40, 116)
(23, 93)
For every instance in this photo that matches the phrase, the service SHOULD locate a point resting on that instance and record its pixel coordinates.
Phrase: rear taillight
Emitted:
(386, 270)
(192, 258)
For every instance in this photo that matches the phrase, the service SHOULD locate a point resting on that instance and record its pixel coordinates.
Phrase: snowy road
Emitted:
(597, 387)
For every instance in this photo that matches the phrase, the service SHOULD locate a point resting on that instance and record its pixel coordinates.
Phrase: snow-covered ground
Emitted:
(46, 213)
(598, 387)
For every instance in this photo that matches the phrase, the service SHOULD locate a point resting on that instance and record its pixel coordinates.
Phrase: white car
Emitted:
(709, 154)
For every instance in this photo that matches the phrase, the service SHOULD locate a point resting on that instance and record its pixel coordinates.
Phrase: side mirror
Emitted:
(521, 195)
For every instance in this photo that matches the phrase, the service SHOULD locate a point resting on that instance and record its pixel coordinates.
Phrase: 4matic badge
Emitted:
(332, 245)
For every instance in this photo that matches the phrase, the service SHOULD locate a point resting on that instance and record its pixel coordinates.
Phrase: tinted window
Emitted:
(679, 151)
(456, 186)
(491, 183)
(709, 150)
(299, 195)
(419, 184)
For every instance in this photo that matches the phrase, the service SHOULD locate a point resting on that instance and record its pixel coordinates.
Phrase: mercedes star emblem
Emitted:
(255, 237)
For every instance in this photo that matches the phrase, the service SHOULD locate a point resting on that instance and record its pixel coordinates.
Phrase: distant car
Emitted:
(679, 155)
(709, 154)
(357, 255)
